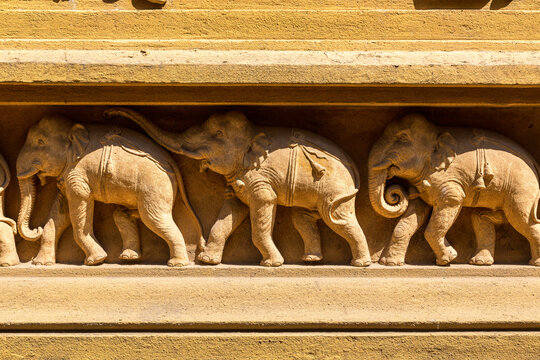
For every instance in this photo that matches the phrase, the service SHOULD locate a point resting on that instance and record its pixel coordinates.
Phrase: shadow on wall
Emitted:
(138, 4)
(460, 4)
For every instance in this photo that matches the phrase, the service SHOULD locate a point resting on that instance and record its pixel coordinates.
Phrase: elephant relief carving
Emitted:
(445, 169)
(102, 163)
(265, 167)
(8, 228)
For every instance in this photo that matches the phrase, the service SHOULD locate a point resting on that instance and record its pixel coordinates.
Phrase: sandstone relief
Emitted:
(446, 169)
(267, 188)
(104, 163)
(266, 167)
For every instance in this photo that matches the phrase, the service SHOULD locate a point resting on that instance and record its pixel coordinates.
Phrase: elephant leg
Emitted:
(129, 231)
(442, 218)
(521, 212)
(262, 209)
(532, 233)
(534, 240)
(163, 225)
(416, 214)
(305, 222)
(81, 211)
(8, 251)
(231, 215)
(347, 227)
(52, 231)
(484, 231)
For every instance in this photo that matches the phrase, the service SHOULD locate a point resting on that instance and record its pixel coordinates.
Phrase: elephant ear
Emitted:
(78, 135)
(257, 151)
(445, 151)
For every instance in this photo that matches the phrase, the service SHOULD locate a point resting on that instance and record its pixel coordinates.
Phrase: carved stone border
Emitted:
(200, 298)
(265, 345)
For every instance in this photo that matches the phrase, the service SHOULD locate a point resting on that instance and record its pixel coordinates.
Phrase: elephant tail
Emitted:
(201, 240)
(535, 209)
(331, 210)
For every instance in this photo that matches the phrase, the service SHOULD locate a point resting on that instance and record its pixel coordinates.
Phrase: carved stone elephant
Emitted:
(109, 164)
(449, 168)
(265, 167)
(8, 229)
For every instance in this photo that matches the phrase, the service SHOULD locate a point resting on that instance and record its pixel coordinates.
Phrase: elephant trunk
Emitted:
(391, 201)
(172, 142)
(28, 194)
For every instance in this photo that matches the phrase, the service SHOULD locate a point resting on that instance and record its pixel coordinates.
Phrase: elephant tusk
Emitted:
(385, 164)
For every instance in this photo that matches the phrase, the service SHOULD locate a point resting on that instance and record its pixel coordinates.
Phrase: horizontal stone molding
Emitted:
(275, 23)
(271, 67)
(271, 4)
(202, 298)
(268, 345)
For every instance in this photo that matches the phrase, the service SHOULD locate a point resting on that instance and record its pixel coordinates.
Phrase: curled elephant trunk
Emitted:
(391, 201)
(28, 195)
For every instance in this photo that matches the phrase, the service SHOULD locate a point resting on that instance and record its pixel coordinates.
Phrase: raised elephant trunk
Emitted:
(172, 142)
(391, 201)
(28, 195)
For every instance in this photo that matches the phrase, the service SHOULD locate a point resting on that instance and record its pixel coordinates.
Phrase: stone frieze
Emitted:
(228, 189)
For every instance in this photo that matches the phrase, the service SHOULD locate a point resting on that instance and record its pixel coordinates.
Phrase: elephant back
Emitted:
(136, 144)
(491, 140)
(323, 147)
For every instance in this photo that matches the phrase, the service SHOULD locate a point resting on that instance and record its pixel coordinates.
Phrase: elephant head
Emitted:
(410, 149)
(51, 145)
(224, 143)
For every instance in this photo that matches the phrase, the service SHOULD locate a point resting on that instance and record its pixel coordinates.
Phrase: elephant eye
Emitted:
(404, 138)
(41, 142)
(219, 134)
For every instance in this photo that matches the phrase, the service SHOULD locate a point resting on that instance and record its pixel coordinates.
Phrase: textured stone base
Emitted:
(232, 298)
(308, 345)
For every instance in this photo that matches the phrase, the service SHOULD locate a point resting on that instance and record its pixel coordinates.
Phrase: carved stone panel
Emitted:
(227, 169)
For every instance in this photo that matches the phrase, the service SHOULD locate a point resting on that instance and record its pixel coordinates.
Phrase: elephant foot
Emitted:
(6, 261)
(535, 262)
(95, 259)
(130, 255)
(448, 255)
(361, 262)
(178, 262)
(209, 258)
(312, 257)
(483, 257)
(391, 261)
(41, 259)
(272, 262)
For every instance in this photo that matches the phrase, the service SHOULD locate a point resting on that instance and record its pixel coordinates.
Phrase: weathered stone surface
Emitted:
(253, 298)
(342, 69)
(435, 67)
(268, 345)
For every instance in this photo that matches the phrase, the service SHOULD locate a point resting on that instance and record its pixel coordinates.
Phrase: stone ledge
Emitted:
(274, 23)
(285, 271)
(283, 345)
(253, 298)
(271, 67)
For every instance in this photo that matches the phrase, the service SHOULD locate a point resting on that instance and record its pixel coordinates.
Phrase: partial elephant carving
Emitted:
(102, 163)
(8, 228)
(447, 168)
(265, 167)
